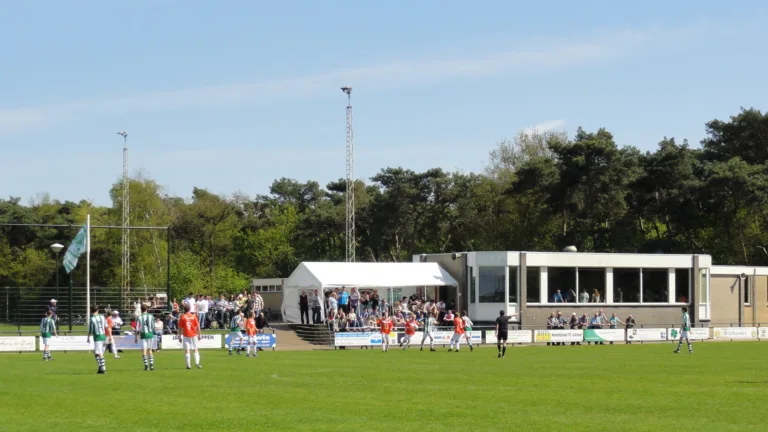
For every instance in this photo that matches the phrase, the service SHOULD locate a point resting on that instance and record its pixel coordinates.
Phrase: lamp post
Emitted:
(56, 248)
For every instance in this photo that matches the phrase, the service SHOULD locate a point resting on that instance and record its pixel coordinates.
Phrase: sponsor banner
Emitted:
(647, 334)
(262, 341)
(205, 342)
(603, 335)
(17, 343)
(696, 333)
(361, 338)
(558, 336)
(513, 336)
(128, 343)
(443, 337)
(71, 343)
(762, 333)
(735, 333)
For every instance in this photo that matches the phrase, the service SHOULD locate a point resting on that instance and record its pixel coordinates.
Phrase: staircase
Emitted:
(315, 334)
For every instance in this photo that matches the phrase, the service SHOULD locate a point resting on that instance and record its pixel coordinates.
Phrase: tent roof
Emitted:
(368, 275)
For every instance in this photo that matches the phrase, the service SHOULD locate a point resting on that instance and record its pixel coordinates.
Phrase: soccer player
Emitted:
(250, 331)
(430, 322)
(97, 328)
(111, 345)
(502, 327)
(410, 328)
(684, 329)
(235, 328)
(468, 329)
(189, 327)
(145, 328)
(458, 332)
(385, 327)
(47, 328)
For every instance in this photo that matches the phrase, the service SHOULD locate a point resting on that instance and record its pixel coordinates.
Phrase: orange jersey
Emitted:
(108, 330)
(385, 325)
(250, 327)
(189, 325)
(458, 325)
(410, 327)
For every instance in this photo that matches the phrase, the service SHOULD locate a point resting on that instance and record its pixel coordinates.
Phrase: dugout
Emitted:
(390, 279)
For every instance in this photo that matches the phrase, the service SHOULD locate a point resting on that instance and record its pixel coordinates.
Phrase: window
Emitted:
(703, 286)
(513, 285)
(472, 285)
(491, 284)
(562, 284)
(533, 285)
(655, 286)
(745, 285)
(589, 281)
(683, 285)
(626, 285)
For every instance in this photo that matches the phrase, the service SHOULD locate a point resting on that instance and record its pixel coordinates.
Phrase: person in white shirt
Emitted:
(190, 300)
(202, 311)
(467, 328)
(137, 309)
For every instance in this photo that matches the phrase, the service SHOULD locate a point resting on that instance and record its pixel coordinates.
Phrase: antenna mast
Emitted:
(350, 190)
(126, 239)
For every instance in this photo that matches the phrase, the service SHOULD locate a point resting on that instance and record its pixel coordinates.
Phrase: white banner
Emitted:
(71, 343)
(127, 343)
(513, 336)
(361, 338)
(696, 333)
(558, 336)
(735, 333)
(17, 343)
(205, 342)
(762, 333)
(604, 335)
(443, 337)
(647, 334)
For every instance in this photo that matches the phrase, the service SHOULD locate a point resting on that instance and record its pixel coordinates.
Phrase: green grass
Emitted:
(722, 387)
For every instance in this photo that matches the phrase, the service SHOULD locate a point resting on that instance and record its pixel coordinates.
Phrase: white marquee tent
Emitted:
(319, 276)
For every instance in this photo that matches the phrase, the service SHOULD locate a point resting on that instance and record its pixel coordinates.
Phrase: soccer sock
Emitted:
(197, 358)
(690, 348)
(145, 358)
(151, 361)
(186, 357)
(504, 350)
(498, 346)
(679, 345)
(102, 364)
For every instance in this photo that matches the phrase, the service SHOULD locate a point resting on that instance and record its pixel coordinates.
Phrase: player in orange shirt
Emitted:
(250, 332)
(385, 327)
(189, 327)
(110, 339)
(410, 329)
(458, 332)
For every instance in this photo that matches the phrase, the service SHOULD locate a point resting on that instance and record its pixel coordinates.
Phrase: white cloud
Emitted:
(545, 126)
(532, 57)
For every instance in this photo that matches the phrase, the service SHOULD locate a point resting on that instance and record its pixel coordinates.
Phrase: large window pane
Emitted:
(513, 284)
(491, 284)
(703, 291)
(655, 285)
(533, 284)
(683, 285)
(591, 282)
(626, 285)
(561, 282)
(472, 285)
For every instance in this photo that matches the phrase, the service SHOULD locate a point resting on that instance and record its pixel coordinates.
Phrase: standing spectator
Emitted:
(375, 301)
(175, 308)
(614, 322)
(333, 305)
(559, 297)
(258, 303)
(365, 300)
(221, 311)
(354, 301)
(261, 324)
(595, 296)
(629, 324)
(54, 315)
(551, 325)
(170, 324)
(344, 300)
(584, 297)
(116, 323)
(304, 307)
(158, 332)
(202, 311)
(317, 304)
(596, 323)
(574, 324)
(137, 309)
(250, 304)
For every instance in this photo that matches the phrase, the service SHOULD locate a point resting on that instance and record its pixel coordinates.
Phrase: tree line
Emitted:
(539, 191)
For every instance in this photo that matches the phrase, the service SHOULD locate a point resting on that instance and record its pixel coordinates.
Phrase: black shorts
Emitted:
(502, 336)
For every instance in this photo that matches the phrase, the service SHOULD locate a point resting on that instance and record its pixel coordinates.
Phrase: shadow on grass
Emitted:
(751, 382)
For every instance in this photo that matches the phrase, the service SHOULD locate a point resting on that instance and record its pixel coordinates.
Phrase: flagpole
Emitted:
(88, 265)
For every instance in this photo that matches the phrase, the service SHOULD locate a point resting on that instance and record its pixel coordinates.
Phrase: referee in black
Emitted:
(502, 328)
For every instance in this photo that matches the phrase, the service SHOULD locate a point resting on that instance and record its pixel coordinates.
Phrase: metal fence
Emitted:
(24, 307)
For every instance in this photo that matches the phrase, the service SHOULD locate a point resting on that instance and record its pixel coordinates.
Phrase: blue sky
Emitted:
(231, 95)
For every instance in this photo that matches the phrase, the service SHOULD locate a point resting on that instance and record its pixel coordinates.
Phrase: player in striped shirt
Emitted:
(145, 329)
(235, 330)
(47, 328)
(97, 328)
(684, 329)
(430, 324)
(468, 329)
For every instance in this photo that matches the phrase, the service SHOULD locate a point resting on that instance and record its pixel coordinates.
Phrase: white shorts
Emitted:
(384, 338)
(46, 341)
(683, 335)
(407, 338)
(147, 343)
(98, 347)
(468, 335)
(456, 338)
(430, 335)
(190, 343)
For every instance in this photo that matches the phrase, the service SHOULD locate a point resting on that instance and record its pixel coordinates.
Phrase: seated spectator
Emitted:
(352, 318)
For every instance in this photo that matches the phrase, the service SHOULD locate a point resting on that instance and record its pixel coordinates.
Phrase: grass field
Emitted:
(721, 387)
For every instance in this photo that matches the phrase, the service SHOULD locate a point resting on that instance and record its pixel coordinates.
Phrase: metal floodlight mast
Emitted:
(351, 243)
(126, 238)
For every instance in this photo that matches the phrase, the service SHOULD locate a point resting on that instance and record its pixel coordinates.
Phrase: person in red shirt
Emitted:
(385, 327)
(410, 329)
(110, 338)
(458, 332)
(250, 331)
(189, 328)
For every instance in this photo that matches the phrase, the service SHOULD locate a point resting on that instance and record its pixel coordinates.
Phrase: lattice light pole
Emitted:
(126, 239)
(350, 190)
